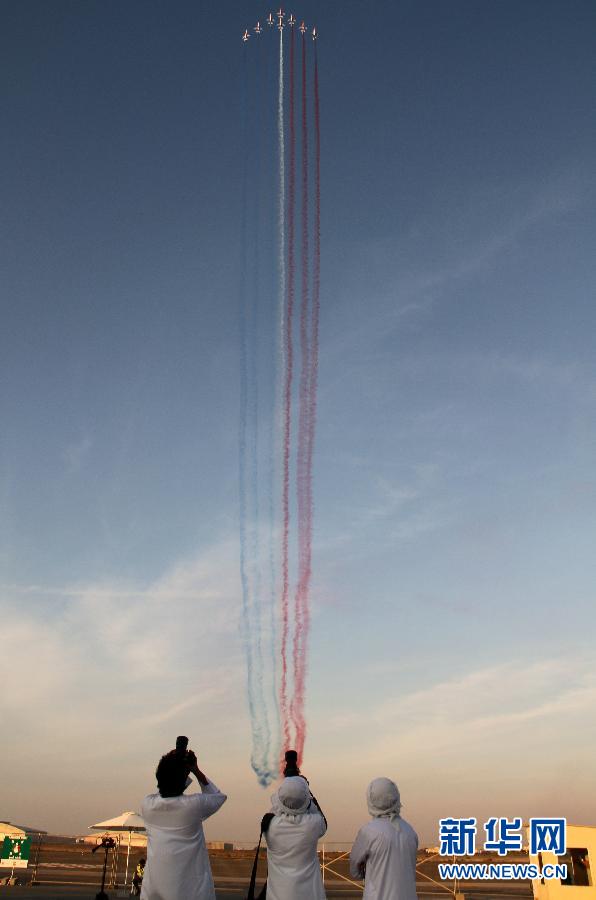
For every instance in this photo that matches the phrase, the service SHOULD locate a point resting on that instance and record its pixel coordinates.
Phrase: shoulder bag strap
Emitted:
(266, 821)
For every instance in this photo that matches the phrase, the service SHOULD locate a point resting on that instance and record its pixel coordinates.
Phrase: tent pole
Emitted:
(127, 858)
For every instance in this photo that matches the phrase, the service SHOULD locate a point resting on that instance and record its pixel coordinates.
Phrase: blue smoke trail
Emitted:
(262, 749)
(242, 427)
(262, 311)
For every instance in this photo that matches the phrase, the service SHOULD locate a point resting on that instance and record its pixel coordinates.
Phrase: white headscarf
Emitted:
(382, 796)
(292, 798)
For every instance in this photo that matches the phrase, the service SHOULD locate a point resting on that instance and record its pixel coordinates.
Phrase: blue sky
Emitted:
(454, 470)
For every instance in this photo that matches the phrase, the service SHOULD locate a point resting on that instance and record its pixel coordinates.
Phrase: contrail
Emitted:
(289, 352)
(287, 359)
(262, 750)
(273, 441)
(316, 290)
(242, 447)
(302, 476)
(276, 566)
(312, 389)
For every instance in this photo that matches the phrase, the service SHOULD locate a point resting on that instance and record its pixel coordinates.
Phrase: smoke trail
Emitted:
(316, 291)
(312, 386)
(302, 486)
(273, 456)
(287, 360)
(288, 357)
(262, 749)
(269, 665)
(242, 442)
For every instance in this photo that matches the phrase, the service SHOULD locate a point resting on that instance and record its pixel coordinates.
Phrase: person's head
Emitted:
(171, 774)
(142, 861)
(292, 797)
(382, 797)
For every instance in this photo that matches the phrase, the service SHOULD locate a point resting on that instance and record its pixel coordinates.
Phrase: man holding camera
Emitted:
(294, 826)
(177, 860)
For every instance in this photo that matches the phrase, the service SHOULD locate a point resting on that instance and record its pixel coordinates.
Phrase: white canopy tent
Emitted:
(10, 831)
(126, 822)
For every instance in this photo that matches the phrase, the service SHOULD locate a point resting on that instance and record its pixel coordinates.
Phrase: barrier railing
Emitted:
(69, 863)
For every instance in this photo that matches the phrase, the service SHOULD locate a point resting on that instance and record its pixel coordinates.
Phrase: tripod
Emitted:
(107, 844)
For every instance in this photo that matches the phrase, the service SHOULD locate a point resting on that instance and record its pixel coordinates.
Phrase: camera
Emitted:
(106, 843)
(291, 768)
(181, 746)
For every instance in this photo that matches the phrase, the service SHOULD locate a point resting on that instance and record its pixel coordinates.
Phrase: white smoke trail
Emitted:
(282, 199)
(281, 300)
(281, 219)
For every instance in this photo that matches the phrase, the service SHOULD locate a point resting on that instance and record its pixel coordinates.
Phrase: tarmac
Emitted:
(64, 871)
(62, 892)
(334, 891)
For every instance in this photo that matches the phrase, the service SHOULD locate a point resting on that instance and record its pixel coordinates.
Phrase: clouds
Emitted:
(514, 704)
(495, 697)
(75, 453)
(462, 736)
(124, 665)
(127, 638)
(398, 284)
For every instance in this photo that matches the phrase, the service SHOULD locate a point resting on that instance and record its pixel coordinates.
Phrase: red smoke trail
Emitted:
(312, 411)
(314, 364)
(289, 354)
(316, 291)
(302, 474)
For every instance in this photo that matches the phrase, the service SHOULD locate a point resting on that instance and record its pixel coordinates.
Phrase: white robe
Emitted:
(388, 849)
(177, 860)
(293, 870)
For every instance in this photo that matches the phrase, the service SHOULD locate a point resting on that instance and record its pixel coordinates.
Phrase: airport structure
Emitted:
(579, 859)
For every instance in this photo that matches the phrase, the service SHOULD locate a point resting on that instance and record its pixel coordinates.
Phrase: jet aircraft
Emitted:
(314, 34)
(257, 29)
(270, 20)
(245, 36)
(292, 20)
(303, 28)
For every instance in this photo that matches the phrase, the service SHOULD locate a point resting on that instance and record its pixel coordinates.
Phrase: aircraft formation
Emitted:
(280, 300)
(280, 16)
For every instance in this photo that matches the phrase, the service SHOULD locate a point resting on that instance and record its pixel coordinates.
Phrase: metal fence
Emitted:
(55, 862)
(68, 863)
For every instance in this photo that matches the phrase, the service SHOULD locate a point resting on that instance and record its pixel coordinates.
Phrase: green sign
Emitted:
(15, 852)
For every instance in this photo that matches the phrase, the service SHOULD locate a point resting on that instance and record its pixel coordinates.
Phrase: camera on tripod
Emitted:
(106, 843)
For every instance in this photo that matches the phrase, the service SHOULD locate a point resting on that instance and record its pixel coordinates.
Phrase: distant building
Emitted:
(11, 831)
(580, 860)
(7, 829)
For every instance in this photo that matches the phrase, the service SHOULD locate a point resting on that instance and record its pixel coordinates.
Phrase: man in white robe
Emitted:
(177, 861)
(384, 852)
(293, 870)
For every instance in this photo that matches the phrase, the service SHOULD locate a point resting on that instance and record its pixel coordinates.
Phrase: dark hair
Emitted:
(171, 774)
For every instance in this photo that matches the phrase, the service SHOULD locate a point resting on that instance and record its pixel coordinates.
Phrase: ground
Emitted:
(68, 871)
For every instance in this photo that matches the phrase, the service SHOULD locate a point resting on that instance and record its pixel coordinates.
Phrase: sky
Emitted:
(453, 616)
